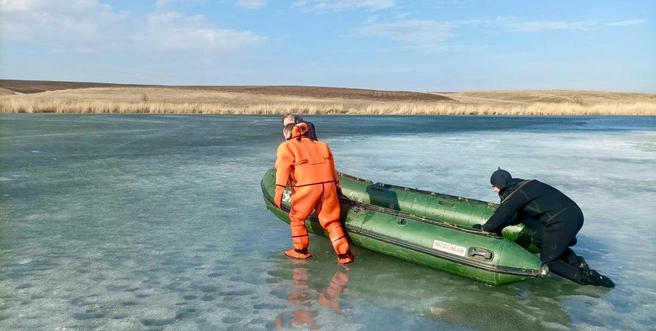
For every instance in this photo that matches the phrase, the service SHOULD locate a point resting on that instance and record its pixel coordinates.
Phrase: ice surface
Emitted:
(158, 223)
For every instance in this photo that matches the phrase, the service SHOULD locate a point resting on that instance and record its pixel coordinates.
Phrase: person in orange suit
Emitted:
(291, 118)
(308, 166)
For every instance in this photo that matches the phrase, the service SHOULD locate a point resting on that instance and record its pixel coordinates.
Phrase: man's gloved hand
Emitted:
(479, 227)
(277, 198)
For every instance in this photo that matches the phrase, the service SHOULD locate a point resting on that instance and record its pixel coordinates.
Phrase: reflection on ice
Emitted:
(302, 297)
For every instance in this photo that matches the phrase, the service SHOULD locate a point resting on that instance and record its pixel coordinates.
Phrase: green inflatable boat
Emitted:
(441, 245)
(451, 209)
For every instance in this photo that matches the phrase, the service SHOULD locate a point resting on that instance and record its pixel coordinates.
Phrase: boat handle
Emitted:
(480, 253)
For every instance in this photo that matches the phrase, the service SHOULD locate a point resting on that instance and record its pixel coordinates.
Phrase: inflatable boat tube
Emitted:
(462, 251)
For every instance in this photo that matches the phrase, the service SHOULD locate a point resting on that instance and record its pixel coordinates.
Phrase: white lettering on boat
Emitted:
(449, 248)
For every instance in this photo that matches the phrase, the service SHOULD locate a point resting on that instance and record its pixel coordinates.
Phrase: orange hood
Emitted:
(300, 130)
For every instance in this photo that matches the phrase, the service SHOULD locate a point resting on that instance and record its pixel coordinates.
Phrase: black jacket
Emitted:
(529, 199)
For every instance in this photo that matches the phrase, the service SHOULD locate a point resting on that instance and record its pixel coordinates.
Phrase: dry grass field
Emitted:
(70, 97)
(549, 96)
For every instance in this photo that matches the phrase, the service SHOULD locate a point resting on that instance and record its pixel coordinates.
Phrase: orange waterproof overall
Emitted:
(308, 166)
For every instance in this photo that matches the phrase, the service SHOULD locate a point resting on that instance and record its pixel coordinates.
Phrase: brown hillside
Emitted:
(24, 86)
(328, 92)
(4, 91)
(36, 86)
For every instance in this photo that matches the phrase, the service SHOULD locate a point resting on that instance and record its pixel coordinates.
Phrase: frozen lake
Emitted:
(129, 222)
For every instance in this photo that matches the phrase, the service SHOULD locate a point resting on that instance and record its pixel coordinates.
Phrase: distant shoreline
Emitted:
(98, 98)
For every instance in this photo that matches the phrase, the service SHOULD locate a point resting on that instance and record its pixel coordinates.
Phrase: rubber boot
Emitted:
(345, 258)
(581, 264)
(338, 238)
(574, 260)
(298, 253)
(566, 270)
(592, 277)
(300, 239)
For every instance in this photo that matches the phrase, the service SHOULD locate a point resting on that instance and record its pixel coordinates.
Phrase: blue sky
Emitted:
(441, 45)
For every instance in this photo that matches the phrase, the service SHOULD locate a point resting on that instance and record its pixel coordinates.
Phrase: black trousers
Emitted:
(554, 240)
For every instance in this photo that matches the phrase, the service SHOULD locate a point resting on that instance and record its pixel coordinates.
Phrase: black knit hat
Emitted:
(500, 178)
